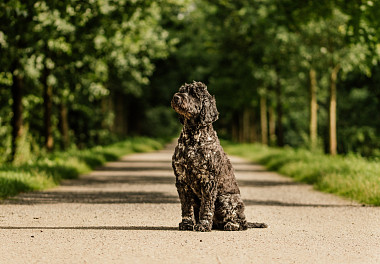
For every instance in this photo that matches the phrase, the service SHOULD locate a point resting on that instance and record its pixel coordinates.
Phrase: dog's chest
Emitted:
(192, 165)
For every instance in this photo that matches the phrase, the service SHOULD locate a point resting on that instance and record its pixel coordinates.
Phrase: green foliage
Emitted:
(84, 51)
(48, 171)
(161, 122)
(244, 50)
(361, 101)
(349, 176)
(113, 66)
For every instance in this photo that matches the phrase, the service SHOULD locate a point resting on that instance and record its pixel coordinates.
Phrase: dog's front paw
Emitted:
(186, 225)
(203, 226)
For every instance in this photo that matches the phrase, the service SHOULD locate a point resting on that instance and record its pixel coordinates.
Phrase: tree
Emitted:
(275, 67)
(64, 50)
(16, 19)
(325, 46)
(341, 55)
(313, 130)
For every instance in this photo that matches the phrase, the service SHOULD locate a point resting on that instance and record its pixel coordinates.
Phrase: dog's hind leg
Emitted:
(229, 213)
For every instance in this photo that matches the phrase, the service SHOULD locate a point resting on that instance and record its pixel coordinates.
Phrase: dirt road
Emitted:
(128, 212)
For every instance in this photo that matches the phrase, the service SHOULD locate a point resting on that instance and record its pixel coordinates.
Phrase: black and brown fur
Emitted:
(205, 180)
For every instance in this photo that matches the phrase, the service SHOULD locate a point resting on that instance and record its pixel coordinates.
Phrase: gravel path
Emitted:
(128, 212)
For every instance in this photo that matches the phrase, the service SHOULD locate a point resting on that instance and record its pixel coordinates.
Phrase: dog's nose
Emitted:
(177, 98)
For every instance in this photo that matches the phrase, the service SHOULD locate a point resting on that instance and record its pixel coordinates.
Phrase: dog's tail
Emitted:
(257, 225)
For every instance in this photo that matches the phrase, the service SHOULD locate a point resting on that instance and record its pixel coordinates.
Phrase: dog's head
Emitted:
(194, 103)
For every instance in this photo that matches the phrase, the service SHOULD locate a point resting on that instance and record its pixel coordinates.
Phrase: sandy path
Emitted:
(128, 212)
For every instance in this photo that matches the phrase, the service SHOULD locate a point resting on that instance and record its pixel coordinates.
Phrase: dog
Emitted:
(205, 179)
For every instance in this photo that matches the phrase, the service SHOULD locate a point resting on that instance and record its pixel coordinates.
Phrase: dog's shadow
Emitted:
(120, 228)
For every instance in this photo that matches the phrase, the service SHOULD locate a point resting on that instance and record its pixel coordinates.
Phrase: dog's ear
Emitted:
(209, 112)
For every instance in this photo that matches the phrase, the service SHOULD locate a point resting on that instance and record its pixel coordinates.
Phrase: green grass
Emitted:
(48, 172)
(350, 176)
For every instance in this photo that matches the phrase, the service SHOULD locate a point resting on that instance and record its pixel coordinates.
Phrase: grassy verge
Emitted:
(50, 170)
(352, 177)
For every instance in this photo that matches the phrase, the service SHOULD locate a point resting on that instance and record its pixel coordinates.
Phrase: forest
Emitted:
(298, 73)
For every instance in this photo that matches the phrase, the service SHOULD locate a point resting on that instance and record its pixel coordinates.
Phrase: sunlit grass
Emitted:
(48, 172)
(352, 177)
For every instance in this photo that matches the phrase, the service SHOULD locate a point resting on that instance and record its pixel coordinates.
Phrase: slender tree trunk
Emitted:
(246, 125)
(235, 128)
(263, 120)
(332, 111)
(48, 106)
(253, 134)
(105, 106)
(121, 117)
(272, 126)
(111, 103)
(48, 109)
(313, 109)
(280, 129)
(64, 125)
(241, 127)
(17, 108)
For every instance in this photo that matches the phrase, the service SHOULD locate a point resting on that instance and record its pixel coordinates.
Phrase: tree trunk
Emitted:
(105, 106)
(332, 111)
(48, 107)
(64, 125)
(235, 128)
(263, 120)
(241, 129)
(111, 103)
(253, 134)
(17, 108)
(246, 125)
(272, 126)
(313, 109)
(280, 129)
(121, 117)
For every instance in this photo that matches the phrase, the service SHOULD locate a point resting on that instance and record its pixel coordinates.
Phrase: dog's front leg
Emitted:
(185, 197)
(206, 212)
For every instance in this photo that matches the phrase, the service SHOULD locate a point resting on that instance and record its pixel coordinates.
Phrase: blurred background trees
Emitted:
(298, 73)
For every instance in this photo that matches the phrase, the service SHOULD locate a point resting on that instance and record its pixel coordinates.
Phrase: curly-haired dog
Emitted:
(205, 180)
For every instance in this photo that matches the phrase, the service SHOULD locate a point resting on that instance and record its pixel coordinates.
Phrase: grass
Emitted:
(349, 176)
(48, 172)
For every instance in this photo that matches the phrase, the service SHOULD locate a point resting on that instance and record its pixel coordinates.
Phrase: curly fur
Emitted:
(205, 180)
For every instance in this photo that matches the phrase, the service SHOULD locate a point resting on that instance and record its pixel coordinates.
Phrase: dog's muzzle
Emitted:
(177, 99)
(179, 104)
